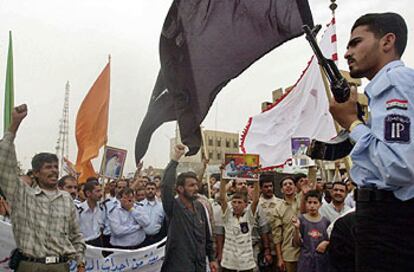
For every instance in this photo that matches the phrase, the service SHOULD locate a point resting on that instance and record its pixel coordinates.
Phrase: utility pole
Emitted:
(62, 144)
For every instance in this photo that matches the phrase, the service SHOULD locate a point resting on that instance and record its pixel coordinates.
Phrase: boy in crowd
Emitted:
(310, 234)
(238, 223)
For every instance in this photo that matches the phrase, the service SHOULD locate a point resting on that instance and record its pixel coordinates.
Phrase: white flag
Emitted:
(303, 112)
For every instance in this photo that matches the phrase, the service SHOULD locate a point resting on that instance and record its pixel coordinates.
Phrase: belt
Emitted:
(374, 195)
(46, 260)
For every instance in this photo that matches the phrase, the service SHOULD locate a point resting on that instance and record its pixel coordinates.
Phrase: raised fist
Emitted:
(18, 114)
(179, 151)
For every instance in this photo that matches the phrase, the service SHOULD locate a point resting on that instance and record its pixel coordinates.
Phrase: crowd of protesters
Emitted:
(232, 225)
(235, 225)
(244, 226)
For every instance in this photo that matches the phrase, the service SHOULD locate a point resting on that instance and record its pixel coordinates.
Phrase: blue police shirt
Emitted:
(156, 215)
(127, 227)
(383, 156)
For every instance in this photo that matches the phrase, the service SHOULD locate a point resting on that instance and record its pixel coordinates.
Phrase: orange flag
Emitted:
(92, 124)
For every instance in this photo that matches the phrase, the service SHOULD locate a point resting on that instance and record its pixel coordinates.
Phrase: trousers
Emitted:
(341, 250)
(384, 234)
(25, 266)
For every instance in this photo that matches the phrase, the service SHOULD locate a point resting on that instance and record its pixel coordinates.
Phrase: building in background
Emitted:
(215, 144)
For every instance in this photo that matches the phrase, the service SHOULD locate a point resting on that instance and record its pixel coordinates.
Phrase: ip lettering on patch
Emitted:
(397, 128)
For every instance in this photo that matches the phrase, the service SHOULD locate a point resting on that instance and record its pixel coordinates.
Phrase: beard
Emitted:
(356, 74)
(189, 196)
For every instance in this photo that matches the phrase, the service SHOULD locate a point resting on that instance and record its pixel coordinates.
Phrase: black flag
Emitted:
(203, 45)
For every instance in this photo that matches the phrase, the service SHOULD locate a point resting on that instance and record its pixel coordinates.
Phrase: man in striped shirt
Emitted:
(45, 224)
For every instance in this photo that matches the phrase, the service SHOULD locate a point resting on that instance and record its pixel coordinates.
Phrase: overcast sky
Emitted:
(56, 41)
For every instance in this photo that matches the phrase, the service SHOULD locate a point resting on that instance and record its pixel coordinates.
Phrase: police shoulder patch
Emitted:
(397, 128)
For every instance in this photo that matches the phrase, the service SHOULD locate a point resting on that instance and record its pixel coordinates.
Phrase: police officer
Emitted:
(91, 214)
(109, 204)
(383, 154)
(156, 230)
(127, 221)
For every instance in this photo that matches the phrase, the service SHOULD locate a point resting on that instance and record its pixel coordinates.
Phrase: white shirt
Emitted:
(238, 249)
(218, 219)
(349, 200)
(90, 221)
(109, 205)
(330, 213)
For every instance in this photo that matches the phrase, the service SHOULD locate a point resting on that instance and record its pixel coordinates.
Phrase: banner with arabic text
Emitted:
(147, 259)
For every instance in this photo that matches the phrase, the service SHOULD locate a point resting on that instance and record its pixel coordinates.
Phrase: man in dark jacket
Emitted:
(189, 240)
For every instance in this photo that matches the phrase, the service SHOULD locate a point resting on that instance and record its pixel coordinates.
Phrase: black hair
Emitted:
(62, 180)
(298, 176)
(340, 183)
(313, 193)
(39, 159)
(217, 176)
(147, 178)
(126, 191)
(151, 183)
(183, 176)
(92, 178)
(285, 178)
(265, 179)
(240, 195)
(90, 186)
(383, 23)
(125, 180)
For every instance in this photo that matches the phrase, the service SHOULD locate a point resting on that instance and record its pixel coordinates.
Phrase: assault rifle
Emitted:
(341, 145)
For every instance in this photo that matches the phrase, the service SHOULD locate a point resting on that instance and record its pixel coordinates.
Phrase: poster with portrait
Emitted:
(245, 166)
(300, 146)
(113, 161)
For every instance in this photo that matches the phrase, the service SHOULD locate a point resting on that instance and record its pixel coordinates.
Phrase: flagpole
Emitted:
(9, 88)
(346, 160)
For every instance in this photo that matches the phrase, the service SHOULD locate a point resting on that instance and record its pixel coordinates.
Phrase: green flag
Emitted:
(9, 92)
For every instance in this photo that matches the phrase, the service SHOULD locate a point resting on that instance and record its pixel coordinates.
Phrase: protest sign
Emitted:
(113, 162)
(300, 146)
(243, 166)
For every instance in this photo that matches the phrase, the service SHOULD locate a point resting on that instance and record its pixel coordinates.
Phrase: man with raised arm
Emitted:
(44, 220)
(189, 241)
